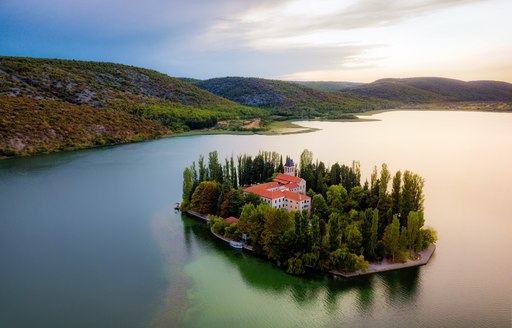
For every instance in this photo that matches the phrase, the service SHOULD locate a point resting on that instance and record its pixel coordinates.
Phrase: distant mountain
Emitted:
(434, 89)
(109, 96)
(288, 98)
(328, 85)
(189, 80)
(50, 104)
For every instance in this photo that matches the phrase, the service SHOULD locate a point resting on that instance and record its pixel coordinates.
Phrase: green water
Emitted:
(90, 238)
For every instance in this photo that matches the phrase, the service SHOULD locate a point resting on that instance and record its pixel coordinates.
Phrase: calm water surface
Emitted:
(90, 239)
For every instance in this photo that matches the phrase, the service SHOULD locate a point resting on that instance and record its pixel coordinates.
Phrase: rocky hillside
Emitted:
(328, 85)
(118, 103)
(433, 89)
(288, 98)
(30, 126)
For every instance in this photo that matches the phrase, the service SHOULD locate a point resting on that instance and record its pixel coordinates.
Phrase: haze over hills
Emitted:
(434, 89)
(289, 98)
(328, 85)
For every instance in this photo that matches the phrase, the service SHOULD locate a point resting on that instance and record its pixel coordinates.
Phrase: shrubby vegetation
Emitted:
(130, 95)
(291, 100)
(31, 126)
(144, 104)
(350, 222)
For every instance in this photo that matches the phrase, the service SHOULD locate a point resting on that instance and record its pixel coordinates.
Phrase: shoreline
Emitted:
(287, 127)
(373, 267)
(384, 266)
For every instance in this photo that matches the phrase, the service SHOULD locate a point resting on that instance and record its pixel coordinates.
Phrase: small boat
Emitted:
(177, 207)
(236, 244)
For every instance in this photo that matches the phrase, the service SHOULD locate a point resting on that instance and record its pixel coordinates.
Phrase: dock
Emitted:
(228, 240)
(198, 215)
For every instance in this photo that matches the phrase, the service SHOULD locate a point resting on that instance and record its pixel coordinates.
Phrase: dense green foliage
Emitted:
(227, 177)
(428, 90)
(349, 223)
(290, 99)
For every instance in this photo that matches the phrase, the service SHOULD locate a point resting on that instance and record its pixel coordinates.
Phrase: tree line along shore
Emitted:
(348, 224)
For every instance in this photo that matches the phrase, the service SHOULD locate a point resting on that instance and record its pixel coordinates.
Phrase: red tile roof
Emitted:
(292, 186)
(265, 193)
(268, 185)
(295, 195)
(231, 220)
(285, 178)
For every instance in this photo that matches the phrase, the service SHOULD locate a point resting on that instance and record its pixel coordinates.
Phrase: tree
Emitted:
(302, 231)
(396, 192)
(280, 168)
(214, 167)
(374, 230)
(334, 231)
(403, 244)
(295, 266)
(252, 198)
(219, 225)
(336, 196)
(412, 194)
(426, 237)
(319, 207)
(358, 198)
(306, 160)
(391, 238)
(205, 197)
(319, 184)
(203, 171)
(256, 224)
(413, 229)
(277, 222)
(316, 235)
(342, 259)
(245, 217)
(335, 174)
(233, 175)
(354, 239)
(232, 204)
(188, 184)
(383, 203)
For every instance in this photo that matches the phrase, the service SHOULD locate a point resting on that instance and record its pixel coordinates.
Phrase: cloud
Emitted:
(265, 38)
(261, 63)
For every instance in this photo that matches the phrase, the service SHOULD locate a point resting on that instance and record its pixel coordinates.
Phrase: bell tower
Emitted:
(289, 167)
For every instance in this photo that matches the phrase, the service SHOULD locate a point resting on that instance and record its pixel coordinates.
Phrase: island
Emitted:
(310, 217)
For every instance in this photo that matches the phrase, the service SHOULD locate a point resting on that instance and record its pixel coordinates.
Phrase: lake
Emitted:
(90, 238)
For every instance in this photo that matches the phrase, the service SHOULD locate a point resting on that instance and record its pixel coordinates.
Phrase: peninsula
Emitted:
(310, 217)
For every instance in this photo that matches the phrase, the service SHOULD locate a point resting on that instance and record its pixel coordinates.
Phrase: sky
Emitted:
(320, 40)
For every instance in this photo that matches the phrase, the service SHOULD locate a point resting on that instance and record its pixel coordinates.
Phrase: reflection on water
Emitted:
(261, 275)
(401, 285)
(90, 239)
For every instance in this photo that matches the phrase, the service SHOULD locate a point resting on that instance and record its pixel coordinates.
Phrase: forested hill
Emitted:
(49, 104)
(290, 99)
(434, 89)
